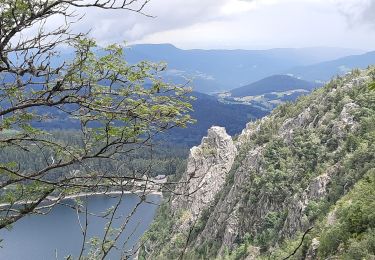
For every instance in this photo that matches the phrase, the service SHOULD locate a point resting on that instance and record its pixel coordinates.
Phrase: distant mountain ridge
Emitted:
(325, 70)
(275, 83)
(217, 70)
(212, 71)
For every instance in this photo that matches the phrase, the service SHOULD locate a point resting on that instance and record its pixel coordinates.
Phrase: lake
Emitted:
(58, 233)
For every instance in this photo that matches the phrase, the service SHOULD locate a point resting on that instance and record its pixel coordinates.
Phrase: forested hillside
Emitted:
(275, 83)
(207, 111)
(300, 186)
(160, 159)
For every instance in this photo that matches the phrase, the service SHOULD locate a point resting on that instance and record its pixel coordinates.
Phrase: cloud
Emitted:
(247, 24)
(368, 14)
(265, 24)
(113, 26)
(358, 12)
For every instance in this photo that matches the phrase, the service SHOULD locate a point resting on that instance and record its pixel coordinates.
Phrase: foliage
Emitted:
(354, 223)
(119, 108)
(160, 228)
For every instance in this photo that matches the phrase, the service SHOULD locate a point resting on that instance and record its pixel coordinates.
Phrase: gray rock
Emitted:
(312, 252)
(207, 167)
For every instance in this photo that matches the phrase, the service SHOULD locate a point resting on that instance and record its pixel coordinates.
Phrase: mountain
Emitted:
(211, 71)
(326, 70)
(275, 83)
(217, 70)
(208, 111)
(297, 184)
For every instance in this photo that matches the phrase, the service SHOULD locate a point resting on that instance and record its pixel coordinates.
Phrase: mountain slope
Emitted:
(275, 83)
(208, 111)
(308, 168)
(326, 70)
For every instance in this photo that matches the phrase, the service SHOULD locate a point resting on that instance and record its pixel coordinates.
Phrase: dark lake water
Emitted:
(58, 233)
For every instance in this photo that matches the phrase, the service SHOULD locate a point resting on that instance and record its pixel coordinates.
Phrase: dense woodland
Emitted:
(206, 111)
(151, 161)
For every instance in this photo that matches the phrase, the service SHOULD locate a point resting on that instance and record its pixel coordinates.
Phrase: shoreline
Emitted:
(84, 194)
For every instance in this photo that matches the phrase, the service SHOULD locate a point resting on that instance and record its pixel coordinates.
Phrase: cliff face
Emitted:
(284, 175)
(207, 168)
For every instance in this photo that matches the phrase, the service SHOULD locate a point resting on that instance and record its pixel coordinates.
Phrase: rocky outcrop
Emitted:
(207, 168)
(346, 122)
(316, 190)
(232, 216)
(312, 252)
(226, 217)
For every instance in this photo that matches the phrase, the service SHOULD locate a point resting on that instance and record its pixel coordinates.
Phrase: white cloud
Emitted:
(239, 23)
(114, 26)
(358, 12)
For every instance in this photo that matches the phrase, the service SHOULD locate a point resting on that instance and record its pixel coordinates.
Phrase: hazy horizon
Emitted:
(253, 49)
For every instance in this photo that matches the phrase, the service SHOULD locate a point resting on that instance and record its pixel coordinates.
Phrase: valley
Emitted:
(187, 130)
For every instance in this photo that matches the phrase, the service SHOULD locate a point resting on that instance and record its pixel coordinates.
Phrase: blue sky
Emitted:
(245, 24)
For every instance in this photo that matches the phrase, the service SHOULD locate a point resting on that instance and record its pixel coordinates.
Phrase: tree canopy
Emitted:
(119, 107)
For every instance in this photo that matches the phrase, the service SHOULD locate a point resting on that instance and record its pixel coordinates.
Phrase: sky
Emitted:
(238, 24)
